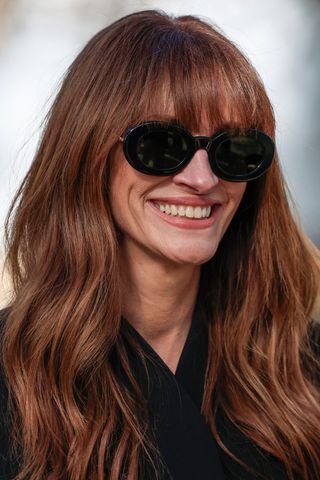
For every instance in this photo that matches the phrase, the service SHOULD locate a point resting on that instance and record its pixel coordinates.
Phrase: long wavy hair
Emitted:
(71, 413)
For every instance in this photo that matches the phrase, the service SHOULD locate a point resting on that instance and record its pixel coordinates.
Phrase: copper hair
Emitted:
(72, 415)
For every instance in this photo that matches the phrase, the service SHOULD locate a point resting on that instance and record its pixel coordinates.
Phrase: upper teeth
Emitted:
(185, 210)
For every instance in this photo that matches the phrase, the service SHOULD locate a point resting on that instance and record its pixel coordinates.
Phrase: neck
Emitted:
(159, 299)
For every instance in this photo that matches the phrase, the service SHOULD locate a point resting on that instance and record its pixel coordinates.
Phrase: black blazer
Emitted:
(188, 449)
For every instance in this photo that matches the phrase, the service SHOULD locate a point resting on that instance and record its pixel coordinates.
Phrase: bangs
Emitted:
(202, 81)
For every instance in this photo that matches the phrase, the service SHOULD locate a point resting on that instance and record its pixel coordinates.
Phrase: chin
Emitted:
(195, 257)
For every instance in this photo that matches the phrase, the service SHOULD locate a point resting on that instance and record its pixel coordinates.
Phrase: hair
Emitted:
(70, 411)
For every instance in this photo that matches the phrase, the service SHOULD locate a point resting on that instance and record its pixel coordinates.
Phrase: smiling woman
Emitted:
(161, 321)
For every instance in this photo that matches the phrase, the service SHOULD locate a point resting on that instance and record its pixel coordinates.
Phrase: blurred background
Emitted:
(39, 39)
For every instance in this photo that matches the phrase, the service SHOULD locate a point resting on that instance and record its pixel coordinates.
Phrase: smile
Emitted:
(184, 210)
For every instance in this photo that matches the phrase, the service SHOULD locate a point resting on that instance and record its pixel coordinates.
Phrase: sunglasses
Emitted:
(160, 148)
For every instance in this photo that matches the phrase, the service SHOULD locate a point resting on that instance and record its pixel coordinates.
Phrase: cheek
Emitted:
(235, 192)
(122, 179)
(117, 189)
(127, 191)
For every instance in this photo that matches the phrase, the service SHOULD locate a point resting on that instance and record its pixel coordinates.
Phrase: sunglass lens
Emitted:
(239, 155)
(161, 149)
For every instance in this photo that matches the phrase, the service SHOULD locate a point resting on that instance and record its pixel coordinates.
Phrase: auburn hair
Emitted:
(71, 413)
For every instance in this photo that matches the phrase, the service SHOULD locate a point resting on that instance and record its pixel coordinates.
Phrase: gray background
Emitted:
(40, 38)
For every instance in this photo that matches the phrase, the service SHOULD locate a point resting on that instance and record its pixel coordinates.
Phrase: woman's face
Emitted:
(138, 200)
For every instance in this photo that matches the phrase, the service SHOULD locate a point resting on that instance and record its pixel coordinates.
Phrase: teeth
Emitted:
(198, 212)
(181, 211)
(174, 210)
(185, 211)
(190, 212)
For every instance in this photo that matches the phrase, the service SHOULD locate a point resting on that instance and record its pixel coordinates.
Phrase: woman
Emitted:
(161, 324)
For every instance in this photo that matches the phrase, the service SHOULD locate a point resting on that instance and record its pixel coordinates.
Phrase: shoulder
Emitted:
(257, 461)
(9, 465)
(3, 383)
(3, 388)
(245, 449)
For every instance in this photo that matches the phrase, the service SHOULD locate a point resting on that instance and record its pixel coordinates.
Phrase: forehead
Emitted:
(198, 119)
(197, 108)
(203, 100)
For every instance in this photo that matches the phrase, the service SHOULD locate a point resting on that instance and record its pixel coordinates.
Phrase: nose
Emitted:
(197, 174)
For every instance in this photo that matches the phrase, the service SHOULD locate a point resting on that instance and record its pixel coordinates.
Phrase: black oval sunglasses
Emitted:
(160, 148)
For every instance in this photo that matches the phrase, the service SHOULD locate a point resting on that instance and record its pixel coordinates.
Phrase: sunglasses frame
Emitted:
(210, 144)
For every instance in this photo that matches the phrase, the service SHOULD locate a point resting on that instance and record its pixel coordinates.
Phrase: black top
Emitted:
(188, 448)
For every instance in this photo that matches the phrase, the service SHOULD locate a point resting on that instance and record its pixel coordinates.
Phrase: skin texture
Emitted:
(161, 261)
